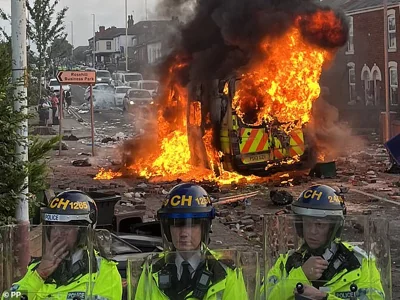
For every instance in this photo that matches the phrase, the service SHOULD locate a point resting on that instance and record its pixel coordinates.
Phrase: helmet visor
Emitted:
(318, 213)
(185, 234)
(318, 232)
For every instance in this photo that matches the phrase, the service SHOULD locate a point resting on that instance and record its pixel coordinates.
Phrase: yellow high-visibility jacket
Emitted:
(106, 284)
(281, 285)
(228, 284)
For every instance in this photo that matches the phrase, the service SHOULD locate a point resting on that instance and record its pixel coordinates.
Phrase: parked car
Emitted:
(150, 85)
(119, 94)
(136, 98)
(103, 76)
(125, 78)
(54, 86)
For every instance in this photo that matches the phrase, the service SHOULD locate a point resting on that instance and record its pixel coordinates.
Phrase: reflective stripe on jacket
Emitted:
(106, 284)
(281, 285)
(232, 287)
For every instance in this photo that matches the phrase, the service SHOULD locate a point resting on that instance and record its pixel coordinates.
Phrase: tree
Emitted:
(13, 171)
(3, 17)
(43, 30)
(33, 79)
(79, 54)
(59, 50)
(58, 53)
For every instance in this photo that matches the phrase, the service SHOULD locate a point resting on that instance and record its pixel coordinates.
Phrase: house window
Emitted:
(368, 89)
(391, 29)
(352, 83)
(393, 83)
(376, 84)
(350, 42)
(108, 45)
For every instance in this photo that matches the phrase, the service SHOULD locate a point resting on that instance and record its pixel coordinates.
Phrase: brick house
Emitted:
(151, 42)
(356, 78)
(105, 46)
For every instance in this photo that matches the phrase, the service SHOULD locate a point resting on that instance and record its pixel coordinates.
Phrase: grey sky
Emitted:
(108, 13)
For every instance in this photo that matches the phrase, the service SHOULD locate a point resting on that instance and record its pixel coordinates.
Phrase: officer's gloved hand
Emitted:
(56, 251)
(314, 267)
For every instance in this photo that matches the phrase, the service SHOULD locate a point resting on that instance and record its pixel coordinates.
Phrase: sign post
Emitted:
(92, 117)
(79, 78)
(60, 117)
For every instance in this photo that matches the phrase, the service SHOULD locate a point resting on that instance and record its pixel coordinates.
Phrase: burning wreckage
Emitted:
(237, 98)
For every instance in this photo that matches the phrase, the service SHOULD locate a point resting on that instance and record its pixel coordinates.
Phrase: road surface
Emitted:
(107, 122)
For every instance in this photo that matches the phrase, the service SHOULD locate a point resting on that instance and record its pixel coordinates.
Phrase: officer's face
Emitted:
(65, 234)
(186, 238)
(315, 231)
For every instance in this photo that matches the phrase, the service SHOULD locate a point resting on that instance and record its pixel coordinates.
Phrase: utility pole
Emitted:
(387, 72)
(94, 40)
(145, 7)
(19, 78)
(72, 39)
(126, 35)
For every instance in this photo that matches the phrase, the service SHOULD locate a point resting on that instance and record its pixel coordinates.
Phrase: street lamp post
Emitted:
(387, 72)
(19, 64)
(94, 41)
(145, 7)
(19, 76)
(126, 35)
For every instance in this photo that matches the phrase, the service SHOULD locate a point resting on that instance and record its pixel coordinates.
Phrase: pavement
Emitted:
(108, 122)
(70, 125)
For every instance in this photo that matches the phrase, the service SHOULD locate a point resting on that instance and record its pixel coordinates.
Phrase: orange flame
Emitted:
(284, 86)
(107, 175)
(280, 88)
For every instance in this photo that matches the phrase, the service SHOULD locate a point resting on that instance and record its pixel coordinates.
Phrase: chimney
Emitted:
(102, 29)
(130, 21)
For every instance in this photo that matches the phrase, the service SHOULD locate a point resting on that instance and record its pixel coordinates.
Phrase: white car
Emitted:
(119, 94)
(54, 86)
(136, 98)
(99, 86)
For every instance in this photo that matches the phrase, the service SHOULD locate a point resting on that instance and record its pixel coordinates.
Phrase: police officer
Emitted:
(324, 267)
(63, 271)
(192, 271)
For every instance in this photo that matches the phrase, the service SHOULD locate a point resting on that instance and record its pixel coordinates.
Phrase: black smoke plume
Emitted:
(220, 37)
